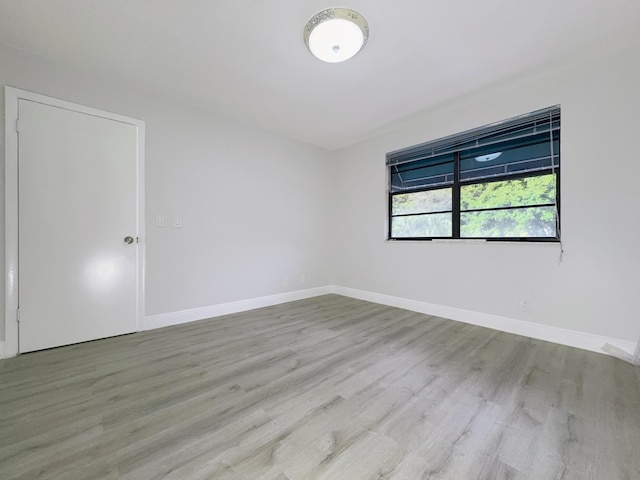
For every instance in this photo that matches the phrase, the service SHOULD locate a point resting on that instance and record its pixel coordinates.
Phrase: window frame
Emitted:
(457, 184)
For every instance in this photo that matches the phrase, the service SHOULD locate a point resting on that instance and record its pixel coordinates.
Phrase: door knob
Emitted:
(128, 240)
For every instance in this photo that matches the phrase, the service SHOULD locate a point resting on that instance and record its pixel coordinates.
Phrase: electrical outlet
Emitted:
(285, 282)
(303, 278)
(525, 304)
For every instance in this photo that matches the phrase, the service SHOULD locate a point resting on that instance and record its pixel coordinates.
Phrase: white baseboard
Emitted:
(572, 338)
(194, 314)
(562, 336)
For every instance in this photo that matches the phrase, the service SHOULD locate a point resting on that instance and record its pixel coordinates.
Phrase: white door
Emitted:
(77, 202)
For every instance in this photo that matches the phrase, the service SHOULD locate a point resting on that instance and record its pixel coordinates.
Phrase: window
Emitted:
(498, 182)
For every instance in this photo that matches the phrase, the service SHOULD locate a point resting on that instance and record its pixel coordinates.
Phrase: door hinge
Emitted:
(18, 315)
(18, 125)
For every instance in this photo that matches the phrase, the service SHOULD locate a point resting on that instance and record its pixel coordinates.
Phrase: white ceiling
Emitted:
(247, 59)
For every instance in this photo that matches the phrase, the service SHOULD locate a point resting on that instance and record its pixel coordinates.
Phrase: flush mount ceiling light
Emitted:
(336, 34)
(488, 158)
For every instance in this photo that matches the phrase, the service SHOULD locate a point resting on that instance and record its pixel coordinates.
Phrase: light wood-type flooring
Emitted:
(329, 388)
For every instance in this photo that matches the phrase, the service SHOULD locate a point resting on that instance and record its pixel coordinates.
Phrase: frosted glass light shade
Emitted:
(336, 34)
(489, 157)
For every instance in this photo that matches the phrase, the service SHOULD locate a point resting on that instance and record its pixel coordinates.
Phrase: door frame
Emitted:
(12, 98)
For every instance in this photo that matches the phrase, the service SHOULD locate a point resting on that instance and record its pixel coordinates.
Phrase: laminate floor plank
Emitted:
(329, 388)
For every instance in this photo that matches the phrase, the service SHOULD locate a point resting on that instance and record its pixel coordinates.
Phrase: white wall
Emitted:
(257, 207)
(595, 287)
(254, 206)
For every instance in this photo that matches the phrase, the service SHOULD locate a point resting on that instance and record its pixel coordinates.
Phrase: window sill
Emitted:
(475, 241)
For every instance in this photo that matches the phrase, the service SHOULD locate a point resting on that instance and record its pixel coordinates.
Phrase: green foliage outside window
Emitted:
(509, 208)
(532, 221)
